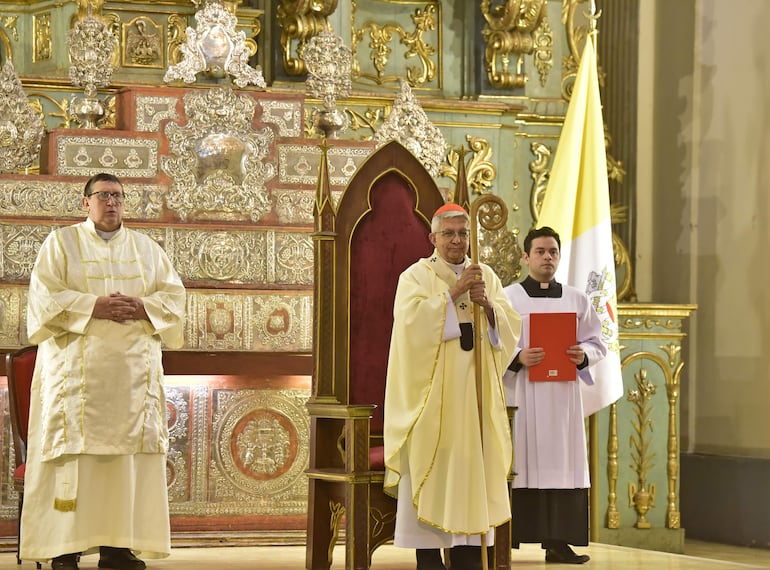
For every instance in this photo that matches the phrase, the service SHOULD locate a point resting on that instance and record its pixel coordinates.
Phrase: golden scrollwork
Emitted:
(544, 49)
(10, 24)
(510, 29)
(673, 518)
(175, 36)
(42, 42)
(500, 249)
(540, 170)
(380, 38)
(84, 6)
(613, 515)
(481, 170)
(370, 119)
(300, 20)
(641, 497)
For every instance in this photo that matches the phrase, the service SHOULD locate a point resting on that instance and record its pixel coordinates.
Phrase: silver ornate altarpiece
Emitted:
(218, 163)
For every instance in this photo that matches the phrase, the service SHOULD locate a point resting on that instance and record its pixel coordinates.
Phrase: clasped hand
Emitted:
(119, 308)
(472, 281)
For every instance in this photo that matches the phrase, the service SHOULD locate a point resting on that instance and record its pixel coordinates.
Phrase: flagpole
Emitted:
(593, 422)
(493, 217)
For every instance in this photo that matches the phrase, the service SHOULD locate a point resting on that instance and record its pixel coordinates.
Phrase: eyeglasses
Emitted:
(105, 196)
(449, 234)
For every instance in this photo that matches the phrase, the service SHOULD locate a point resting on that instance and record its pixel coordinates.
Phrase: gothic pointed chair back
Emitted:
(19, 368)
(379, 227)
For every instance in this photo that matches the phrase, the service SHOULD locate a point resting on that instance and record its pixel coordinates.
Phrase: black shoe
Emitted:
(565, 556)
(119, 559)
(429, 559)
(65, 562)
(469, 558)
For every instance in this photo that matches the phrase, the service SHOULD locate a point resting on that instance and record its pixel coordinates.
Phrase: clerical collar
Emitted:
(536, 289)
(106, 236)
(458, 268)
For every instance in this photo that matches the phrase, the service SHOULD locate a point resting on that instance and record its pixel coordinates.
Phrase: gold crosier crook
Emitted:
(490, 211)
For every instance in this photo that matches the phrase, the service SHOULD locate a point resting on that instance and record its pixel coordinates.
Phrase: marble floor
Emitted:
(700, 556)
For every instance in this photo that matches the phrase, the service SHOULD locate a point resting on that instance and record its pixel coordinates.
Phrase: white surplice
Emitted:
(549, 434)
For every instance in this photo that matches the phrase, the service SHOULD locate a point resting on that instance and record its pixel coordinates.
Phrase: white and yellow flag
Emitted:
(577, 205)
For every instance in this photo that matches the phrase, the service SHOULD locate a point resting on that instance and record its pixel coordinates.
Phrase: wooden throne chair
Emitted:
(379, 227)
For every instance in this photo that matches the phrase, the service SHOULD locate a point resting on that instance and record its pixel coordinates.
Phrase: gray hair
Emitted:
(435, 222)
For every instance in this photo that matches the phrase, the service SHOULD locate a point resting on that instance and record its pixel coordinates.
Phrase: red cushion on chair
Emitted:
(20, 471)
(24, 367)
(376, 261)
(377, 458)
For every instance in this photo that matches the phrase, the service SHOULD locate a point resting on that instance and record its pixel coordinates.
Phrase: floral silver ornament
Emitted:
(21, 127)
(91, 46)
(215, 49)
(328, 61)
(409, 125)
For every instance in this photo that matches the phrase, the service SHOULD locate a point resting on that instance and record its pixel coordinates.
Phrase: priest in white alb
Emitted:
(102, 300)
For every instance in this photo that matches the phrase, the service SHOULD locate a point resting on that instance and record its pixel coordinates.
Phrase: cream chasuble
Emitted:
(431, 418)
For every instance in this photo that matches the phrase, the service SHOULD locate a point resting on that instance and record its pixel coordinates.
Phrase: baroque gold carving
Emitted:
(380, 37)
(300, 20)
(481, 170)
(641, 497)
(673, 518)
(10, 23)
(499, 249)
(370, 119)
(651, 323)
(540, 172)
(613, 516)
(544, 49)
(42, 43)
(510, 27)
(142, 43)
(175, 33)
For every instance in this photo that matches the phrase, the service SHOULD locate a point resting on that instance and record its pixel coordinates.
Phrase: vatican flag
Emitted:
(577, 205)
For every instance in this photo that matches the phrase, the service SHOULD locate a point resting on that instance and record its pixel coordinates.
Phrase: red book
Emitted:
(554, 332)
